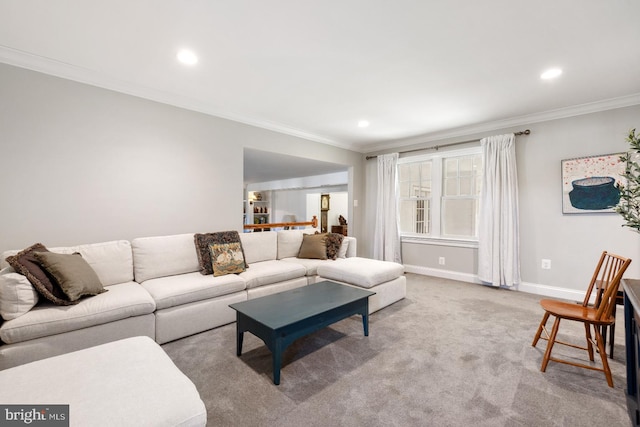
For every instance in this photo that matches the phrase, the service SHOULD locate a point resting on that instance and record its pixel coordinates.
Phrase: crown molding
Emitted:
(524, 120)
(87, 76)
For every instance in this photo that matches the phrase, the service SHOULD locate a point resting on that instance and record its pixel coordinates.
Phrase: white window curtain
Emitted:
(498, 235)
(386, 238)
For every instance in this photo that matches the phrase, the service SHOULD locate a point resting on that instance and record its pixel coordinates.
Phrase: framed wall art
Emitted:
(589, 183)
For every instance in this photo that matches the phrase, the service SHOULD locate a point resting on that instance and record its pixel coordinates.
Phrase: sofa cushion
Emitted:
(349, 246)
(171, 291)
(310, 264)
(25, 263)
(123, 300)
(268, 272)
(363, 272)
(129, 382)
(112, 261)
(313, 246)
(72, 273)
(259, 246)
(203, 244)
(289, 242)
(344, 247)
(17, 294)
(163, 256)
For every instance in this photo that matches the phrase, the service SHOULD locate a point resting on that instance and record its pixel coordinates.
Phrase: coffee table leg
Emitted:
(277, 361)
(365, 323)
(239, 337)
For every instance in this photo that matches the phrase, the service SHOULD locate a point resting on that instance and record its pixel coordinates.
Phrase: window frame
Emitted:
(435, 236)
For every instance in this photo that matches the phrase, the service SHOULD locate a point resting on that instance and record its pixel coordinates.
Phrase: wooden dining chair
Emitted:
(595, 311)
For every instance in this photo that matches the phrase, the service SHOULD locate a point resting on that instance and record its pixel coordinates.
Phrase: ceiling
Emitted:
(416, 70)
(262, 166)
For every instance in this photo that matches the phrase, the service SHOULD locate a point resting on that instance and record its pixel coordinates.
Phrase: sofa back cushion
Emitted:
(289, 242)
(348, 248)
(162, 256)
(112, 261)
(260, 246)
(17, 295)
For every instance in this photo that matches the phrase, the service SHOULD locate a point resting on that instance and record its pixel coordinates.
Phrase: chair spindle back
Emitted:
(606, 280)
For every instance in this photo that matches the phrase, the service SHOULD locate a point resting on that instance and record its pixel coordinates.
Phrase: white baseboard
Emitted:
(551, 291)
(445, 274)
(531, 288)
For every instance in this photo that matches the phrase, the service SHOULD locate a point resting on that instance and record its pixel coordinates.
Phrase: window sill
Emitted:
(440, 241)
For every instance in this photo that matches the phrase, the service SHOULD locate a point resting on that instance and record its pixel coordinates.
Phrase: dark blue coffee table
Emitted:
(281, 318)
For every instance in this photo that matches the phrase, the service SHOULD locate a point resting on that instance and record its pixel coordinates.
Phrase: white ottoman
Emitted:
(384, 278)
(131, 382)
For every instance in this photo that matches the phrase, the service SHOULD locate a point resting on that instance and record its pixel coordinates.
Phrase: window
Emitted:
(439, 194)
(414, 180)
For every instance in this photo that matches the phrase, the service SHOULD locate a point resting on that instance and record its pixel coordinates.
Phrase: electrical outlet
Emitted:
(546, 264)
(441, 260)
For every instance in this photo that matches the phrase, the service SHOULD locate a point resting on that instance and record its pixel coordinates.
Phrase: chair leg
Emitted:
(603, 332)
(603, 356)
(587, 328)
(543, 323)
(612, 334)
(552, 340)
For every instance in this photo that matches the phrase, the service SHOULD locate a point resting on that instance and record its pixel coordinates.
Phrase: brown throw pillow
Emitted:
(204, 241)
(25, 263)
(334, 241)
(313, 246)
(73, 274)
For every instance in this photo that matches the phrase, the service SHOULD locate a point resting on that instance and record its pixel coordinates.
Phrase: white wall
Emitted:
(338, 205)
(82, 164)
(295, 202)
(573, 243)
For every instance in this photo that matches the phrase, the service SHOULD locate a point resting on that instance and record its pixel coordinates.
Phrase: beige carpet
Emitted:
(450, 354)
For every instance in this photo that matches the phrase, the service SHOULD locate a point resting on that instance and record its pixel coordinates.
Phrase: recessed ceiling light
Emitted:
(187, 57)
(363, 123)
(551, 73)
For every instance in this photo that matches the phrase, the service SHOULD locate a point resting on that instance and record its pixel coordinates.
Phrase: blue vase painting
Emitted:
(589, 183)
(595, 193)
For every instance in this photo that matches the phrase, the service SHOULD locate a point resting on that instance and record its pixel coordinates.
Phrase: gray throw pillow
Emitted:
(72, 273)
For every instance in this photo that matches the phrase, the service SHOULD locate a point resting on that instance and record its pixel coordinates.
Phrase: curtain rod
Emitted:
(437, 147)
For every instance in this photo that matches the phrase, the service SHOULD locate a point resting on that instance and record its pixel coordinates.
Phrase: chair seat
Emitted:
(573, 311)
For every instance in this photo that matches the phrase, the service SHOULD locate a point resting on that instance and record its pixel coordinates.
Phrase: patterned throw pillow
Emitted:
(25, 263)
(334, 241)
(226, 258)
(203, 241)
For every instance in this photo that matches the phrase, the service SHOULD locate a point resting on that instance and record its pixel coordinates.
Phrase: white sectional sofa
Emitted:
(155, 289)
